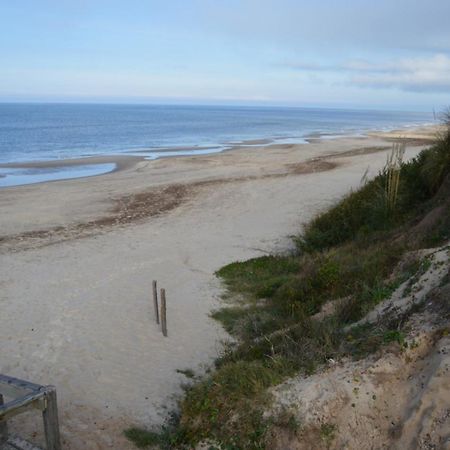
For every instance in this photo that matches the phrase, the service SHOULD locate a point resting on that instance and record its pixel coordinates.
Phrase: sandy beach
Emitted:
(78, 258)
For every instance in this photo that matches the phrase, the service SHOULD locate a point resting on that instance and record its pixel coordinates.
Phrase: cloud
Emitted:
(430, 74)
(334, 27)
(420, 74)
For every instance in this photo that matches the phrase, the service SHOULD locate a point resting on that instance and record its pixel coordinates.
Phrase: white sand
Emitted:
(78, 313)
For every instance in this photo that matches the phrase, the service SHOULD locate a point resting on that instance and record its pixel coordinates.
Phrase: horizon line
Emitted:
(212, 103)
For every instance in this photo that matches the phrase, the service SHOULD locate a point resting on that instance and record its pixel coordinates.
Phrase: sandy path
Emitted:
(78, 313)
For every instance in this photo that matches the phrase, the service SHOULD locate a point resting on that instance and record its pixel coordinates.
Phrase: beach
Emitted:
(78, 258)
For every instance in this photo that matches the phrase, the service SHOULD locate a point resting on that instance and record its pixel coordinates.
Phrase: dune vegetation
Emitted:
(351, 257)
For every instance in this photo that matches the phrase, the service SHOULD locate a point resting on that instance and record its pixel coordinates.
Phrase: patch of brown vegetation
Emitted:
(126, 209)
(413, 141)
(312, 166)
(133, 208)
(357, 152)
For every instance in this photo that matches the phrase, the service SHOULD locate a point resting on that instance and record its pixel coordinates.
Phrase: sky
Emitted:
(392, 54)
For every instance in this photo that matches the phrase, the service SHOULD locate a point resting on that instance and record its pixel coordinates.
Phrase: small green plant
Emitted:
(287, 419)
(422, 267)
(142, 438)
(394, 336)
(188, 373)
(170, 436)
(328, 433)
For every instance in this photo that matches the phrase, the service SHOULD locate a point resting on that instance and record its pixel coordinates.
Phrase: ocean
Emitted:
(40, 132)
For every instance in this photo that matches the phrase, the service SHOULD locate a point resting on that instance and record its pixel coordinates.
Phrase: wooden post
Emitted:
(3, 427)
(163, 312)
(50, 416)
(155, 301)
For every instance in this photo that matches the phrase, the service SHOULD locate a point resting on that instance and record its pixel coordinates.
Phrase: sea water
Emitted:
(40, 132)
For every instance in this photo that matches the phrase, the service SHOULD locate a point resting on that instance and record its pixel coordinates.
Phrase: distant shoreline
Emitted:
(422, 134)
(47, 132)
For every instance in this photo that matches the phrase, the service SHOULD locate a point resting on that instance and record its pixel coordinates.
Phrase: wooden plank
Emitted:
(51, 424)
(163, 313)
(155, 301)
(13, 387)
(3, 427)
(19, 405)
(11, 391)
(5, 379)
(17, 443)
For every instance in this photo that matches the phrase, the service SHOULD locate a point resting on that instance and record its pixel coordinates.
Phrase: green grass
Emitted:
(168, 437)
(351, 253)
(143, 438)
(352, 270)
(259, 277)
(239, 387)
(363, 213)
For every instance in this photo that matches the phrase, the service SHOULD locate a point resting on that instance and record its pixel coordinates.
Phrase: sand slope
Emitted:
(397, 399)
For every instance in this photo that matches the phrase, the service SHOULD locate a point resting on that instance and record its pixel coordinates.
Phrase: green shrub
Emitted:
(436, 164)
(142, 438)
(225, 405)
(259, 277)
(356, 215)
(363, 213)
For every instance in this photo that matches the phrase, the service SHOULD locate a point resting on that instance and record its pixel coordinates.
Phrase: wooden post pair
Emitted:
(163, 308)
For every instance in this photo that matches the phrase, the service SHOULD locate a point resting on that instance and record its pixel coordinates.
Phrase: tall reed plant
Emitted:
(392, 170)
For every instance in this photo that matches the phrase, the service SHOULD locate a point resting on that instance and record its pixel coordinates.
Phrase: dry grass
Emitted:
(393, 170)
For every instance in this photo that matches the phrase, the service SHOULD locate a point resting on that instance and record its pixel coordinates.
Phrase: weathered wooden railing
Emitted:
(25, 396)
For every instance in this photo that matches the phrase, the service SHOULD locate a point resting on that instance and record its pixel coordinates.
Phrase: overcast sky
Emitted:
(345, 53)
